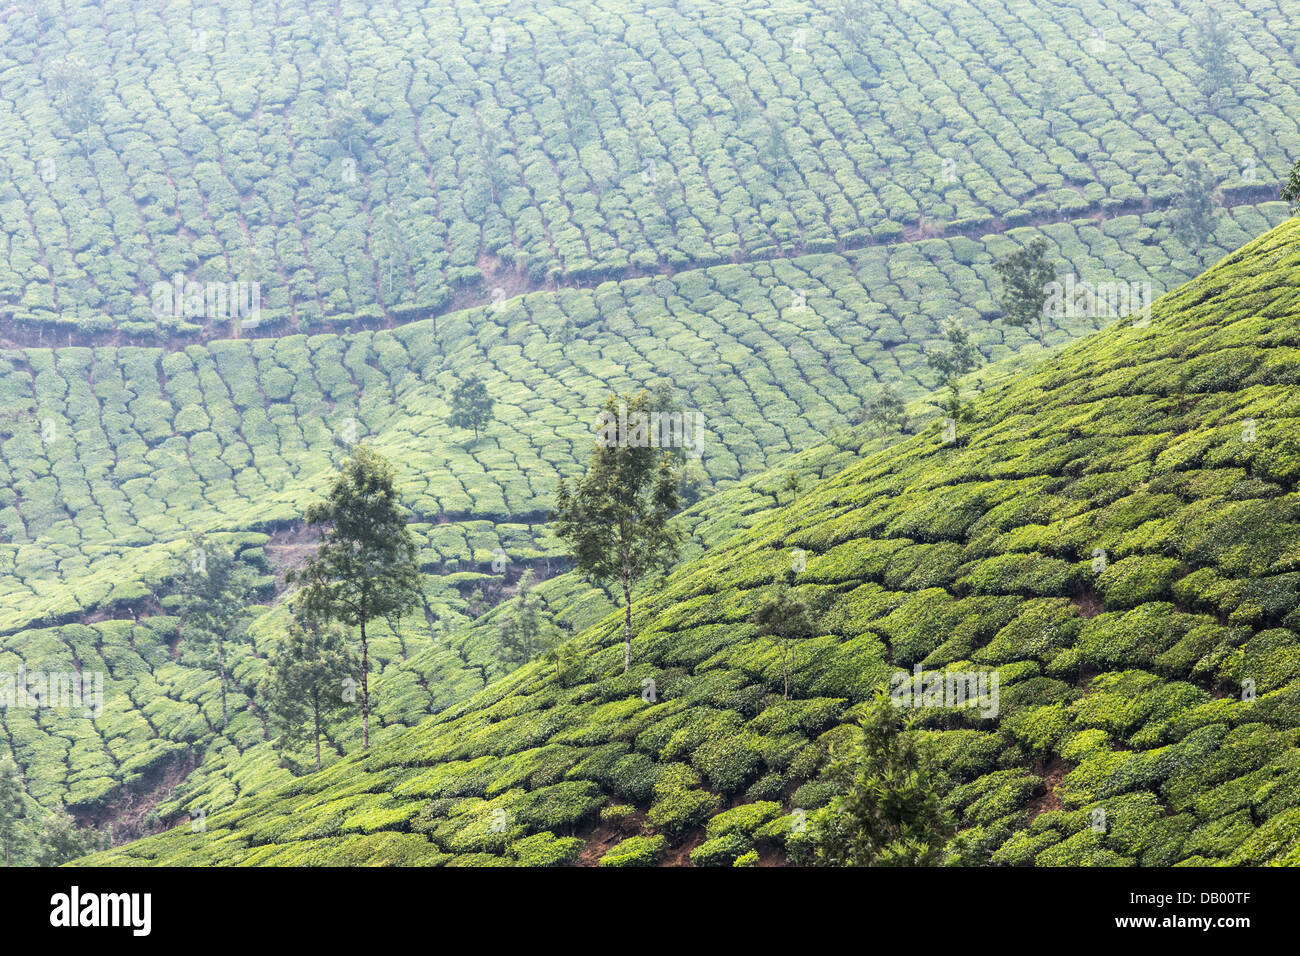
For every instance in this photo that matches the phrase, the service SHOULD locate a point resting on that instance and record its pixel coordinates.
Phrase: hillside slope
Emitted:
(111, 457)
(1117, 535)
(772, 208)
(363, 164)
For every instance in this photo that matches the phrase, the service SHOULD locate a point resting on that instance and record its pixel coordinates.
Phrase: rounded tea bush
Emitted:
(635, 851)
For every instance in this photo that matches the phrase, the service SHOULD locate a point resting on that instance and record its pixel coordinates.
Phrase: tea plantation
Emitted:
(112, 457)
(1115, 534)
(238, 239)
(122, 448)
(359, 165)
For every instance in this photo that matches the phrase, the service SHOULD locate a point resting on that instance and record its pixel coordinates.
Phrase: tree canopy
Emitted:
(365, 566)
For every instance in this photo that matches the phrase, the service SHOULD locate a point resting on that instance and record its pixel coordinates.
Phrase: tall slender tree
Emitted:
(1026, 274)
(216, 589)
(883, 411)
(76, 95)
(1211, 42)
(61, 840)
(364, 567)
(520, 627)
(615, 518)
(344, 120)
(11, 808)
(792, 484)
(471, 405)
(1196, 212)
(959, 358)
(305, 688)
(785, 618)
(1291, 190)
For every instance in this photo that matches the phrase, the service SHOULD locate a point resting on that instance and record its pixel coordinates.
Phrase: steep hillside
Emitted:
(1116, 535)
(111, 457)
(774, 209)
(464, 654)
(123, 451)
(363, 164)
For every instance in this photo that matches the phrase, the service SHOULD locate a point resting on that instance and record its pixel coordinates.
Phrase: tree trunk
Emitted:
(785, 670)
(365, 689)
(221, 667)
(627, 624)
(316, 715)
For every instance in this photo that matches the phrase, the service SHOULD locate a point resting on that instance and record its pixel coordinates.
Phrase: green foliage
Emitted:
(365, 565)
(582, 180)
(546, 849)
(626, 253)
(615, 519)
(12, 810)
(61, 840)
(214, 592)
(522, 631)
(746, 819)
(721, 851)
(784, 618)
(1196, 213)
(471, 405)
(76, 95)
(635, 851)
(1211, 50)
(888, 812)
(959, 358)
(307, 682)
(679, 805)
(884, 411)
(1026, 275)
(1291, 188)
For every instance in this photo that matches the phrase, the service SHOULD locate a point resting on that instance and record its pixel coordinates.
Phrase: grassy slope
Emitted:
(499, 148)
(1121, 690)
(117, 454)
(148, 446)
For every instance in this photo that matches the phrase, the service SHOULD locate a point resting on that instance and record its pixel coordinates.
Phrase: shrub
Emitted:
(545, 849)
(730, 763)
(676, 811)
(1137, 579)
(634, 777)
(722, 850)
(635, 851)
(617, 813)
(560, 805)
(746, 818)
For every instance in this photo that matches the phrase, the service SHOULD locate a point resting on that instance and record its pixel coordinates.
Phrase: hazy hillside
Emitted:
(115, 455)
(1115, 536)
(361, 164)
(242, 239)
